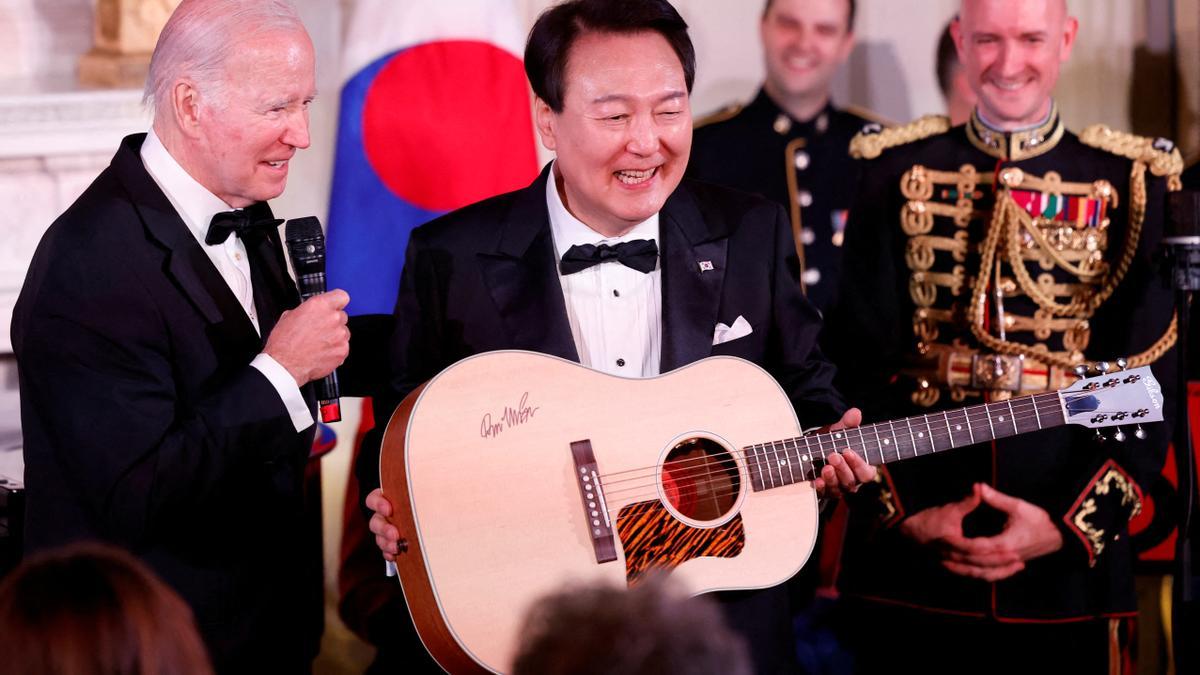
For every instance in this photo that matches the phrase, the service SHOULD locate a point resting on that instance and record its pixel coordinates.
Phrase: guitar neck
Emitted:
(793, 460)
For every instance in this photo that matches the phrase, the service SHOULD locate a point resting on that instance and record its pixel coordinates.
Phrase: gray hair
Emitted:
(199, 38)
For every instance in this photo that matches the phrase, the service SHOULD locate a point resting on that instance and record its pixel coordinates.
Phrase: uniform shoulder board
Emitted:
(869, 115)
(728, 112)
(874, 139)
(1159, 154)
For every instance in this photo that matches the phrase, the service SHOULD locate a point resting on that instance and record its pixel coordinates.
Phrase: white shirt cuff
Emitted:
(289, 392)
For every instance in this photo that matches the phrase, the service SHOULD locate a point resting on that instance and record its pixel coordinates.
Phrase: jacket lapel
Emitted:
(691, 295)
(186, 263)
(521, 275)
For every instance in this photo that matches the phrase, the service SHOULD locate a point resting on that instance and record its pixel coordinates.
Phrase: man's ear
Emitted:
(1070, 31)
(546, 122)
(185, 107)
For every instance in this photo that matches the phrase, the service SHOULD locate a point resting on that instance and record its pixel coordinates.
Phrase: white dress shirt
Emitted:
(196, 206)
(615, 312)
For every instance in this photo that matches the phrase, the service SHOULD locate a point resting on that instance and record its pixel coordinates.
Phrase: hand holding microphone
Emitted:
(311, 341)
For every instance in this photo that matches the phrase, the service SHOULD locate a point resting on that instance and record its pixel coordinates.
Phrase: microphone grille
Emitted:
(308, 227)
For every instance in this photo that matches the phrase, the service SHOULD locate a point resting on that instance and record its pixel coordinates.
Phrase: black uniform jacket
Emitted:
(877, 333)
(803, 165)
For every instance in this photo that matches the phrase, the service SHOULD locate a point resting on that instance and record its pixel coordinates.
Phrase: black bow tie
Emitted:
(639, 254)
(253, 219)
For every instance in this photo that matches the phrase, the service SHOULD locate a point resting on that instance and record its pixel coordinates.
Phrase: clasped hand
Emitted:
(1028, 533)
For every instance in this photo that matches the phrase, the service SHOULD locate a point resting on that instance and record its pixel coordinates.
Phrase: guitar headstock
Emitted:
(1114, 398)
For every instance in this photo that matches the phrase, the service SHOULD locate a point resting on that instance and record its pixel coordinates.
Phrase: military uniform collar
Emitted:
(1014, 146)
(786, 125)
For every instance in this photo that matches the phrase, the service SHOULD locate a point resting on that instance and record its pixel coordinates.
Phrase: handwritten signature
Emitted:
(511, 417)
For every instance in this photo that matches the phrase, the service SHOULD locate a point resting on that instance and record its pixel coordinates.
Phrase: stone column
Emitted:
(125, 33)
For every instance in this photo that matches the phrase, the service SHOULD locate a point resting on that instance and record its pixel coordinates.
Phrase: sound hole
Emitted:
(700, 479)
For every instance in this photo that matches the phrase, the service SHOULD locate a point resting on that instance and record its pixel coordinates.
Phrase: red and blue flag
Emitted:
(435, 114)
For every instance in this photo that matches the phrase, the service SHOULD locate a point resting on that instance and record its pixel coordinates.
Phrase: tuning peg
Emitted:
(1104, 367)
(1081, 370)
(1140, 433)
(1123, 363)
(1120, 435)
(1100, 437)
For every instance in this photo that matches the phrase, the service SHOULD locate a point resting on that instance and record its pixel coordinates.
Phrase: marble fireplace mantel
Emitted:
(55, 137)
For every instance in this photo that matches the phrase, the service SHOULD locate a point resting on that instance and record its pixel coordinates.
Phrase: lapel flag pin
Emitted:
(706, 266)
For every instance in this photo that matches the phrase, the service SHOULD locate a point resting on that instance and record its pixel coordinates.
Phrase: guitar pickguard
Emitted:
(654, 539)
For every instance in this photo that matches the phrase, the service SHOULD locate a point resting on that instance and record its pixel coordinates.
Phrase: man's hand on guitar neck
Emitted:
(1028, 534)
(846, 471)
(387, 536)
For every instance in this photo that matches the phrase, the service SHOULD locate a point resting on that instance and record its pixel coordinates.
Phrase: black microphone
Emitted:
(306, 248)
(1181, 240)
(1181, 249)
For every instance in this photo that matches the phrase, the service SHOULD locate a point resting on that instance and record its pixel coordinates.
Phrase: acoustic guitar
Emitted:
(514, 474)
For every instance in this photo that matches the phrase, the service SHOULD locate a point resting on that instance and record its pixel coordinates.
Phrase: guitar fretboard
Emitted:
(793, 460)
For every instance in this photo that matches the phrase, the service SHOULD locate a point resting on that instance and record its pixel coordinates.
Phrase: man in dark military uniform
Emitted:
(791, 144)
(983, 262)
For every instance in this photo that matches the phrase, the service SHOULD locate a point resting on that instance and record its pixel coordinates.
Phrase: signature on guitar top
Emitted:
(513, 474)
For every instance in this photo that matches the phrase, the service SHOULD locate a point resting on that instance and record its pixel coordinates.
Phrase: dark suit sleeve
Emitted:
(417, 349)
(794, 358)
(101, 405)
(865, 331)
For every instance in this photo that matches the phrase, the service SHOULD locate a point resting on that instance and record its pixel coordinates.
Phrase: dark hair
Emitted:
(947, 60)
(90, 608)
(849, 17)
(649, 629)
(560, 26)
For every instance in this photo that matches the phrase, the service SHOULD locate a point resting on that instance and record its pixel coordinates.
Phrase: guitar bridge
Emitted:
(595, 509)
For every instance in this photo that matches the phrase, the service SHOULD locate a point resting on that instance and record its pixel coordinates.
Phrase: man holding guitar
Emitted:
(612, 260)
(985, 262)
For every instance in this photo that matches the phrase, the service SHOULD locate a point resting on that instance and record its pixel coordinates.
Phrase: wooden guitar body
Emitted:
(486, 487)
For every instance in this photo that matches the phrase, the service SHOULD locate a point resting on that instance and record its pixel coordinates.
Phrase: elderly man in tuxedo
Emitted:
(164, 356)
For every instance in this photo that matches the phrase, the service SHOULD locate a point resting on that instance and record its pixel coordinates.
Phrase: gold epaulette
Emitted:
(1159, 155)
(871, 145)
(728, 112)
(869, 115)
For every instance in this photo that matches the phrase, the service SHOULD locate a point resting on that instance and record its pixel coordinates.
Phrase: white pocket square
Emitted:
(740, 329)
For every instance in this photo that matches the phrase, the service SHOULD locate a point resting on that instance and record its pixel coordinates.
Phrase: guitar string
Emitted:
(896, 426)
(771, 473)
(979, 410)
(930, 421)
(819, 454)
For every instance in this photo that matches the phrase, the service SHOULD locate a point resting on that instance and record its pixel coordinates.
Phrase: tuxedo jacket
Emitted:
(145, 426)
(486, 278)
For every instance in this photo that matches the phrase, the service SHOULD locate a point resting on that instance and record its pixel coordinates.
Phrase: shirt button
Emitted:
(805, 198)
(237, 256)
(802, 160)
(616, 293)
(811, 276)
(620, 363)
